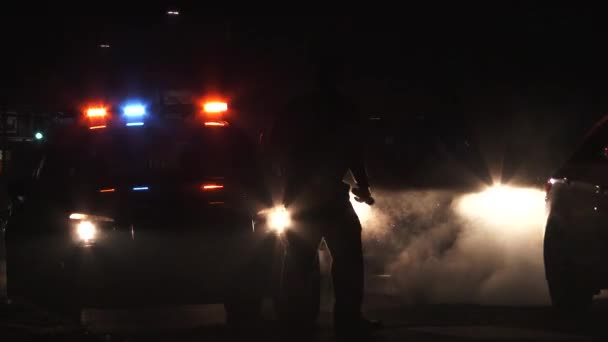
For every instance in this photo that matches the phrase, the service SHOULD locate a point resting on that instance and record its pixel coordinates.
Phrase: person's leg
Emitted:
(343, 238)
(300, 281)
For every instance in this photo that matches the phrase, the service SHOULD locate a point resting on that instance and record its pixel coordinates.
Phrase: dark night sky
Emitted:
(521, 67)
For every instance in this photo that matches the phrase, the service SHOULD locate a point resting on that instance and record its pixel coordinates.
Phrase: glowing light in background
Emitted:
(279, 219)
(96, 112)
(364, 211)
(504, 205)
(134, 110)
(215, 107)
(86, 231)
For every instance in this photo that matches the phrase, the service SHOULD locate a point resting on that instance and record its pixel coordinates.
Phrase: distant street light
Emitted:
(172, 12)
(104, 46)
(38, 136)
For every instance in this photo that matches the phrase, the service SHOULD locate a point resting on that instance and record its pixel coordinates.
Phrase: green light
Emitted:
(38, 136)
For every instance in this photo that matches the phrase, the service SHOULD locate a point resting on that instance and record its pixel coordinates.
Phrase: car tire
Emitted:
(569, 296)
(569, 293)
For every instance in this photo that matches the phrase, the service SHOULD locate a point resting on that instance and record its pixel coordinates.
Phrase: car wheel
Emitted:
(568, 292)
(569, 296)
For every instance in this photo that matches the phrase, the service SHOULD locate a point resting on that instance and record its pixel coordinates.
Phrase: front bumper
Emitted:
(142, 266)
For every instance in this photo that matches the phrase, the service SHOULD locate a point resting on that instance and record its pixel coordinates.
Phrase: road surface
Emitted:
(412, 323)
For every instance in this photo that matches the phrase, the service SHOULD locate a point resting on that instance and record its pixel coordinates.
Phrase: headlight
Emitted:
(505, 205)
(86, 228)
(86, 231)
(278, 219)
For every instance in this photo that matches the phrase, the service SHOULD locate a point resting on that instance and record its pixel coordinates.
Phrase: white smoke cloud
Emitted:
(442, 247)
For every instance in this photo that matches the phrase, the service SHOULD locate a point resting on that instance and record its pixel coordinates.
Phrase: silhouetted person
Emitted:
(317, 141)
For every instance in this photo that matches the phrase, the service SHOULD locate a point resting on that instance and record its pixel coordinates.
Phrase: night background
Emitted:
(528, 81)
(454, 98)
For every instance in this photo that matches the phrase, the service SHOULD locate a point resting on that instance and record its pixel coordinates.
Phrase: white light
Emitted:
(135, 124)
(77, 216)
(104, 46)
(503, 205)
(134, 110)
(86, 231)
(279, 219)
(173, 12)
(363, 210)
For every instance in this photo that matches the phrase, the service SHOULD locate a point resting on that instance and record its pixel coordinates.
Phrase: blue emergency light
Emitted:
(140, 188)
(134, 110)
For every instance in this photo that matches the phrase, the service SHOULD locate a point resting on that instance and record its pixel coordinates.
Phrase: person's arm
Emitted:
(357, 166)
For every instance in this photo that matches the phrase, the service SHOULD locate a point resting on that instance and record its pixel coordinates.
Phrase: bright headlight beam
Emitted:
(504, 205)
(279, 219)
(86, 231)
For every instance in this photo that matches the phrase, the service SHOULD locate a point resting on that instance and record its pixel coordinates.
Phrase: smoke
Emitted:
(443, 247)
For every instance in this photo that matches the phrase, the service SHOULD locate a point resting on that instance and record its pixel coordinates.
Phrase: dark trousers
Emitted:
(340, 227)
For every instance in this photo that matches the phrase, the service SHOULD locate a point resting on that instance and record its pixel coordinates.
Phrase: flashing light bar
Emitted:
(216, 123)
(208, 187)
(96, 112)
(215, 107)
(135, 123)
(97, 127)
(134, 110)
(140, 188)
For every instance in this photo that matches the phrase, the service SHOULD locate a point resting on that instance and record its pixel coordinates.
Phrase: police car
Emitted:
(576, 238)
(130, 208)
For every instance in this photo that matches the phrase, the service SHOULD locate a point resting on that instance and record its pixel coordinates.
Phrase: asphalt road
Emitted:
(413, 323)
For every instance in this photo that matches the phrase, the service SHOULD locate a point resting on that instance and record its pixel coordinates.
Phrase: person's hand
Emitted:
(363, 195)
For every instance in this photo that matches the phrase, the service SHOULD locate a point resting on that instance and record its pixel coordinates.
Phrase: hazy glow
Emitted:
(505, 206)
(279, 219)
(363, 210)
(86, 231)
(77, 216)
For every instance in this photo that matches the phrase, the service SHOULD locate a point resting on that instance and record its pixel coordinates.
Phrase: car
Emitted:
(131, 209)
(576, 241)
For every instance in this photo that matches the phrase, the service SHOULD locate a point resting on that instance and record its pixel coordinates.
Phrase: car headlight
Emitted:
(86, 229)
(278, 219)
(505, 205)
